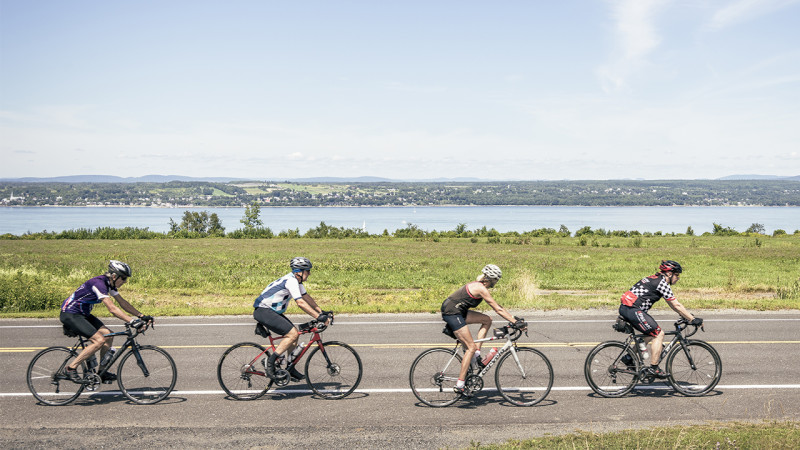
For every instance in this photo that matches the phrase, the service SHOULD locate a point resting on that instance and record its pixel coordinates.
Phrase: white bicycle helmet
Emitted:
(119, 268)
(299, 264)
(492, 271)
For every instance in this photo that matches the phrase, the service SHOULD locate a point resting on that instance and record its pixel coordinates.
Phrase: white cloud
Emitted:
(635, 37)
(744, 10)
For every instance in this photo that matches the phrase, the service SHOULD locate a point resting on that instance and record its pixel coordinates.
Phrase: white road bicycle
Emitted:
(524, 376)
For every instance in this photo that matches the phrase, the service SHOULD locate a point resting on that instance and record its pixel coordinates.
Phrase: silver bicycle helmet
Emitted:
(119, 268)
(299, 264)
(492, 271)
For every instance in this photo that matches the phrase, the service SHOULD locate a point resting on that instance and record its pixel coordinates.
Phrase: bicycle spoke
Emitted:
(607, 370)
(241, 372)
(334, 374)
(148, 380)
(695, 376)
(46, 380)
(524, 378)
(433, 375)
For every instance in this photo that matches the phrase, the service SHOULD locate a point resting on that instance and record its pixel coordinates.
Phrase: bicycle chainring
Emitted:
(474, 383)
(281, 377)
(91, 381)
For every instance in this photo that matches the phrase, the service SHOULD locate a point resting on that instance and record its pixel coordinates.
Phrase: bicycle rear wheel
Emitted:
(697, 380)
(241, 371)
(334, 372)
(525, 383)
(46, 379)
(433, 376)
(149, 378)
(606, 372)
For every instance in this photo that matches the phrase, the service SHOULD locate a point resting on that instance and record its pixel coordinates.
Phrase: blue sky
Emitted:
(517, 90)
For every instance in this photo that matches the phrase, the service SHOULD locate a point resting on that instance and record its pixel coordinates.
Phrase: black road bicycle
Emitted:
(613, 368)
(146, 373)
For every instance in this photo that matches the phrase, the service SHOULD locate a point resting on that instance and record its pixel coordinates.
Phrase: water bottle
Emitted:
(296, 351)
(643, 350)
(490, 356)
(107, 358)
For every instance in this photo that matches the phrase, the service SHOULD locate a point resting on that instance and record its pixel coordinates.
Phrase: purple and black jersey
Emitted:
(89, 294)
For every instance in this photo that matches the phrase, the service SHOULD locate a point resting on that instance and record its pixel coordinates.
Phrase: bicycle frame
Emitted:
(130, 343)
(510, 345)
(634, 338)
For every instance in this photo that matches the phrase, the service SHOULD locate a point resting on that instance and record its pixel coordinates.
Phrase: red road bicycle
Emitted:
(333, 369)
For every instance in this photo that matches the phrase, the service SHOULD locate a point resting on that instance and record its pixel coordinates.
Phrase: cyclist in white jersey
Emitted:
(272, 303)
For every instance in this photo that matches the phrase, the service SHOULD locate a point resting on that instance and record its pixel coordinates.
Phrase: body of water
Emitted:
(20, 220)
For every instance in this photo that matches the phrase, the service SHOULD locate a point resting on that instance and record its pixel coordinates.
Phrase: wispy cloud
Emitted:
(744, 10)
(635, 36)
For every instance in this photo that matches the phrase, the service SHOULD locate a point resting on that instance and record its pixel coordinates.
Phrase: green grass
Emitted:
(735, 435)
(368, 275)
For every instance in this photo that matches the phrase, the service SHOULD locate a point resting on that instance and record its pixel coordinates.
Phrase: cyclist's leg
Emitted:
(645, 323)
(458, 324)
(280, 324)
(484, 320)
(86, 326)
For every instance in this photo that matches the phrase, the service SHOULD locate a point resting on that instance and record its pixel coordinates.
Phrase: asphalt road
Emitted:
(761, 380)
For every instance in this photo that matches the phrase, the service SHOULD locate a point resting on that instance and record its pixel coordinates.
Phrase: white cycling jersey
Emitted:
(279, 292)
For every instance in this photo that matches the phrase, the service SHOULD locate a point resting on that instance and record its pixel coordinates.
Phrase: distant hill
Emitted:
(758, 177)
(114, 179)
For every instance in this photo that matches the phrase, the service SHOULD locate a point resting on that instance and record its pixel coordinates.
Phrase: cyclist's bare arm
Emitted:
(680, 309)
(121, 310)
(309, 305)
(487, 297)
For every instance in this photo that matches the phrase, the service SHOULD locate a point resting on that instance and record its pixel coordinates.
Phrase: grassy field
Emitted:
(223, 276)
(741, 436)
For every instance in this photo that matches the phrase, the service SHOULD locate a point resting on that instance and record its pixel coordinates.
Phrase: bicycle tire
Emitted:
(46, 380)
(700, 380)
(337, 379)
(433, 375)
(529, 389)
(604, 373)
(149, 380)
(238, 369)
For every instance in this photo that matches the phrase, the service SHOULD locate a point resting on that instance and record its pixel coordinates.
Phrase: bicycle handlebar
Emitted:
(683, 324)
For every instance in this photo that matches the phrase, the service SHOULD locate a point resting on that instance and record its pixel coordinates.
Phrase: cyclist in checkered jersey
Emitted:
(637, 301)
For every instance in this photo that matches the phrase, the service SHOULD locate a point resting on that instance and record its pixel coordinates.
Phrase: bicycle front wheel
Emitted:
(433, 376)
(148, 376)
(46, 379)
(694, 369)
(241, 371)
(334, 370)
(525, 380)
(612, 369)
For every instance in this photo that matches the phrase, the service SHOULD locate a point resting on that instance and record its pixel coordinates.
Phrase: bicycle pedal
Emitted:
(107, 381)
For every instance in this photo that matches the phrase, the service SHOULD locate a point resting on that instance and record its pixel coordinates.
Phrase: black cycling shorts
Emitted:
(275, 322)
(640, 320)
(455, 321)
(86, 326)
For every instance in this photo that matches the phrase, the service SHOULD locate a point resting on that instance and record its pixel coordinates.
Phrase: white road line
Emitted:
(407, 390)
(427, 322)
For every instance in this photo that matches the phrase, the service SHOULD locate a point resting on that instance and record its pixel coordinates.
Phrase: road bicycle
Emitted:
(146, 373)
(333, 369)
(523, 376)
(613, 368)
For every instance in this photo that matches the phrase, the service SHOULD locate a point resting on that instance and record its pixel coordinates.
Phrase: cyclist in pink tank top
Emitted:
(456, 313)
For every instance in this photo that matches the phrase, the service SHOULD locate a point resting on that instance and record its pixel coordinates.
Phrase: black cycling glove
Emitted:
(147, 319)
(696, 321)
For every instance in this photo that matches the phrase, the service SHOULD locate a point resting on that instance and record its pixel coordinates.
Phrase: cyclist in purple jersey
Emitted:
(272, 303)
(456, 313)
(636, 302)
(76, 314)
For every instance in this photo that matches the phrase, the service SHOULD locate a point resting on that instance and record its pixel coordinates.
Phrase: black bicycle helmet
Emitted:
(670, 266)
(119, 268)
(300, 264)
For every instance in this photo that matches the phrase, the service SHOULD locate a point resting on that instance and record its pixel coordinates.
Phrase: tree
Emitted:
(215, 227)
(251, 221)
(756, 228)
(690, 231)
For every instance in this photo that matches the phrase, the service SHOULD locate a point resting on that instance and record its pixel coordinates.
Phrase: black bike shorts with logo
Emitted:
(86, 326)
(640, 320)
